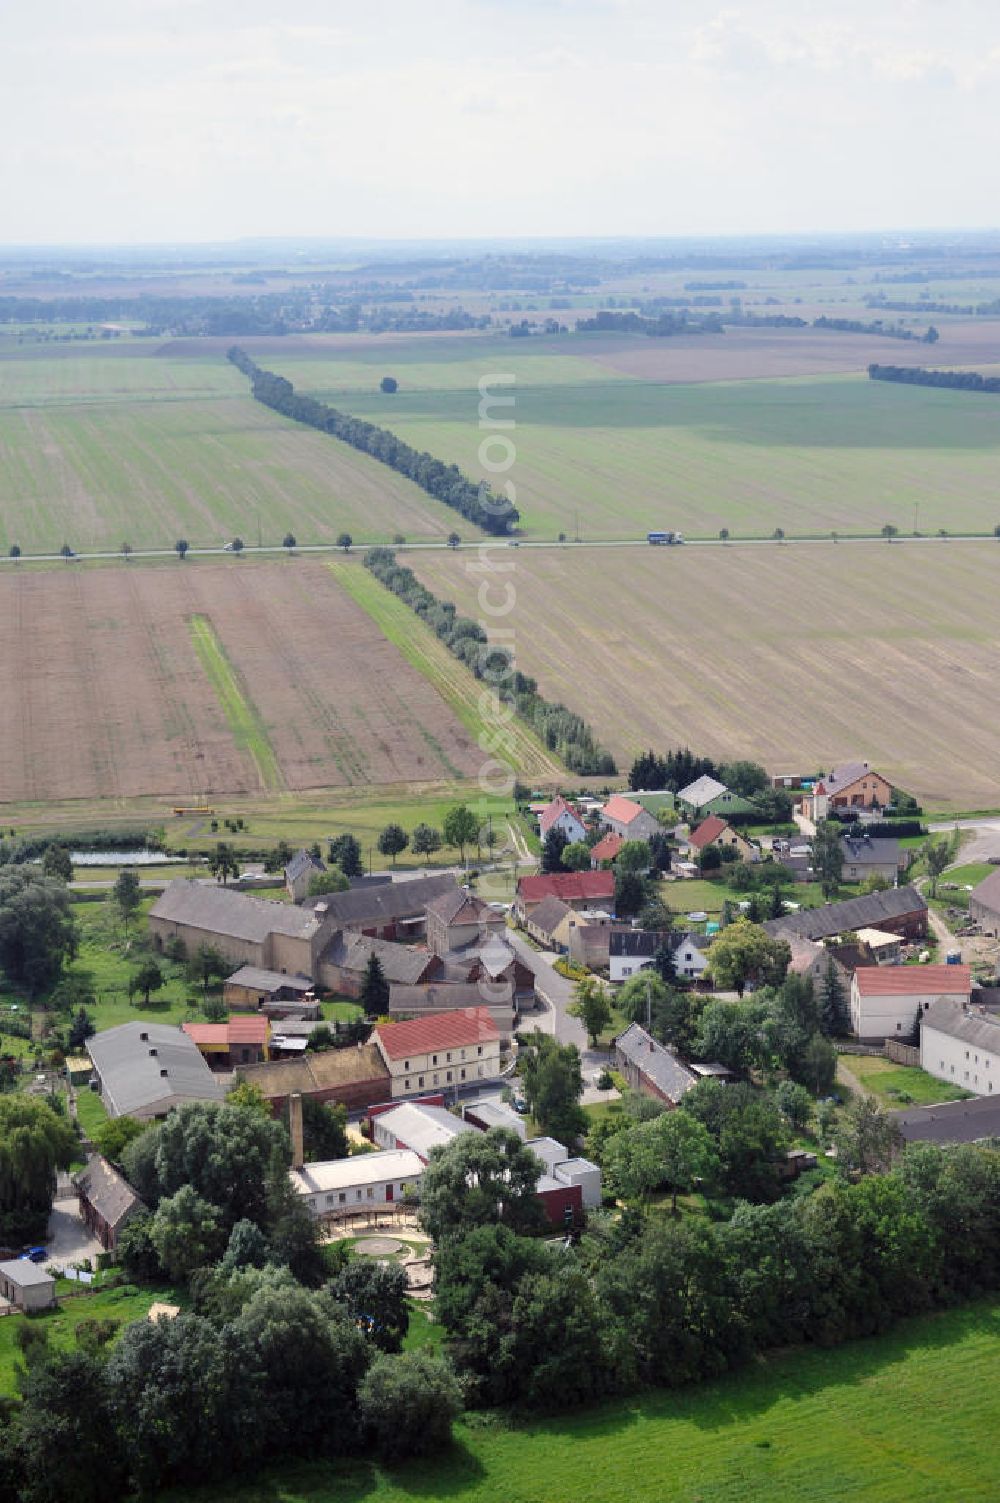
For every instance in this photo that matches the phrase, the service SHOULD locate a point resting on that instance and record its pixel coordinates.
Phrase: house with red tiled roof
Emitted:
(628, 819)
(885, 999)
(584, 892)
(243, 1040)
(445, 1049)
(715, 831)
(560, 815)
(605, 850)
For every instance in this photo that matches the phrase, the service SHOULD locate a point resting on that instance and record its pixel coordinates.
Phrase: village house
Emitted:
(590, 940)
(960, 1043)
(606, 849)
(444, 1049)
(984, 904)
(344, 963)
(550, 923)
(898, 910)
(706, 795)
(568, 1186)
(584, 892)
(886, 1000)
(495, 964)
(561, 816)
(146, 1069)
(423, 1001)
(299, 873)
(812, 961)
(26, 1286)
(651, 1068)
(852, 785)
(622, 816)
(973, 1120)
(632, 950)
(865, 857)
(457, 919)
(714, 832)
(243, 1039)
(107, 1200)
(271, 992)
(363, 1182)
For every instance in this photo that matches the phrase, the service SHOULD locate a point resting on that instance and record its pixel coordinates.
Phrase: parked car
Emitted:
(35, 1255)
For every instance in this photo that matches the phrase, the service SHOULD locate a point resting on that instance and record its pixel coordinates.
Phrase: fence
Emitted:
(903, 1054)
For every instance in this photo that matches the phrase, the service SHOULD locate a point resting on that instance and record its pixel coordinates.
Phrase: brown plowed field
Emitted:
(104, 695)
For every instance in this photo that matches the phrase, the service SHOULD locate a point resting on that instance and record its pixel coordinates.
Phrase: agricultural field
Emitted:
(97, 449)
(796, 656)
(750, 430)
(116, 687)
(861, 1421)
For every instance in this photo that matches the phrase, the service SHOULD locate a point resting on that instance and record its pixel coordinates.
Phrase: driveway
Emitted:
(985, 841)
(555, 994)
(68, 1239)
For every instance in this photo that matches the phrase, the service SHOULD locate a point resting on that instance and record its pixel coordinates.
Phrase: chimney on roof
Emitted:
(152, 1053)
(144, 1038)
(295, 1128)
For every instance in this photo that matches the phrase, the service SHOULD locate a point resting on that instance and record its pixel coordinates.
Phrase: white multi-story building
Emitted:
(961, 1044)
(885, 1000)
(457, 1049)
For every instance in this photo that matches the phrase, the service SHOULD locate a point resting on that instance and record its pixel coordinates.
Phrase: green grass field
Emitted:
(61, 1323)
(249, 731)
(905, 1418)
(893, 1083)
(604, 454)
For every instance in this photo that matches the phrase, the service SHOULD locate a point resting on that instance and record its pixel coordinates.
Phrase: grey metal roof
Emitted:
(970, 1025)
(220, 910)
(639, 944)
(108, 1192)
(23, 1272)
(987, 891)
(951, 1122)
(131, 1059)
(868, 912)
(865, 849)
(446, 996)
(260, 980)
(651, 1059)
(423, 1127)
(301, 863)
(402, 963)
(363, 906)
(701, 791)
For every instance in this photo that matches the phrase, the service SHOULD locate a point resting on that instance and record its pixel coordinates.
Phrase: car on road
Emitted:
(519, 1104)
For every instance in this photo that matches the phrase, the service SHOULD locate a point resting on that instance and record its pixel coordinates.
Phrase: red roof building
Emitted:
(243, 1040)
(710, 829)
(606, 849)
(445, 1049)
(886, 1000)
(582, 891)
(560, 815)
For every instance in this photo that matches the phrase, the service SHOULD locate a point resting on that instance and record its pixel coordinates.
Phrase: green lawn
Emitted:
(60, 1324)
(244, 718)
(90, 1110)
(894, 1083)
(905, 1418)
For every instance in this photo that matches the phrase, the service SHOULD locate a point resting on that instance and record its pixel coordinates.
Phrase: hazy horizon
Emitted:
(190, 121)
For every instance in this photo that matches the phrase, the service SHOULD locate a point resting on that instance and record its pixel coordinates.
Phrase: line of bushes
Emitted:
(563, 731)
(445, 482)
(918, 375)
(888, 331)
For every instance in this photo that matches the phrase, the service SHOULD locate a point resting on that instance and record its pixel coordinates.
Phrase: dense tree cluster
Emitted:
(35, 1142)
(876, 326)
(563, 731)
(37, 928)
(444, 482)
(662, 326)
(916, 375)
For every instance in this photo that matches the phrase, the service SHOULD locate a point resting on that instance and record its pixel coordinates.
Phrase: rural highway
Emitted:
(265, 550)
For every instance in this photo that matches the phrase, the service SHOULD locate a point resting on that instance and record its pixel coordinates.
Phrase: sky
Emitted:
(131, 121)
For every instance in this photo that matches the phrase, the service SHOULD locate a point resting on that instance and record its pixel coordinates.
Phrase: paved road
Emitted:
(555, 994)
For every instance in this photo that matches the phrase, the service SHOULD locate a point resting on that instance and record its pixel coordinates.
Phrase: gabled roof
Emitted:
(314, 1072)
(913, 980)
(550, 913)
(701, 791)
(608, 848)
(220, 910)
(710, 829)
(301, 863)
(256, 979)
(570, 886)
(863, 849)
(352, 952)
(640, 944)
(109, 1192)
(987, 891)
(382, 904)
(847, 773)
(422, 1128)
(623, 809)
(438, 996)
(441, 1031)
(460, 906)
(951, 1121)
(552, 811)
(651, 1059)
(150, 1067)
(961, 1022)
(868, 912)
(361, 1169)
(24, 1273)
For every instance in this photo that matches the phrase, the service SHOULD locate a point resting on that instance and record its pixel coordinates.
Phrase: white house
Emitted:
(418, 1127)
(633, 950)
(445, 1049)
(885, 999)
(362, 1182)
(961, 1044)
(559, 815)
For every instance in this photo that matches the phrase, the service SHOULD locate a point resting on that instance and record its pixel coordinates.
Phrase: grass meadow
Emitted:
(904, 1418)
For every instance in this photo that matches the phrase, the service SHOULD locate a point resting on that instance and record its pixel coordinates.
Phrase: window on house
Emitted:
(420, 1081)
(449, 1075)
(406, 1064)
(448, 1059)
(342, 1198)
(407, 1087)
(436, 1079)
(434, 1059)
(371, 1192)
(329, 1200)
(479, 1070)
(479, 1049)
(358, 1194)
(461, 1074)
(899, 1026)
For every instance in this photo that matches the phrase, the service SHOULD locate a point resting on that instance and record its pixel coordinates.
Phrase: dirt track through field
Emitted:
(105, 695)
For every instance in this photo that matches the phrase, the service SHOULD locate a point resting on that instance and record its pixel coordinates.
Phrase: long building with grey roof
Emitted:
(247, 930)
(897, 910)
(147, 1069)
(651, 1068)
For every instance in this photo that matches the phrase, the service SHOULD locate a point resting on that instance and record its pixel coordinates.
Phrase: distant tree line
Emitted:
(661, 327)
(563, 731)
(445, 482)
(981, 310)
(916, 375)
(888, 331)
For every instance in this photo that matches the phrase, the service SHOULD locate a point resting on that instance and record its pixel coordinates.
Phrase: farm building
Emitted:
(852, 785)
(494, 964)
(146, 1069)
(247, 930)
(865, 857)
(242, 1040)
(272, 992)
(447, 1048)
(487, 1114)
(550, 923)
(561, 816)
(107, 1200)
(355, 1077)
(898, 910)
(651, 1068)
(606, 849)
(622, 816)
(437, 997)
(418, 1127)
(386, 910)
(961, 1044)
(362, 1182)
(584, 892)
(458, 919)
(885, 1000)
(984, 904)
(26, 1286)
(299, 873)
(344, 962)
(707, 796)
(715, 832)
(969, 1121)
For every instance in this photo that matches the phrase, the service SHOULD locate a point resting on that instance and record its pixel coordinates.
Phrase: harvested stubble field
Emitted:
(97, 450)
(615, 436)
(797, 656)
(106, 696)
